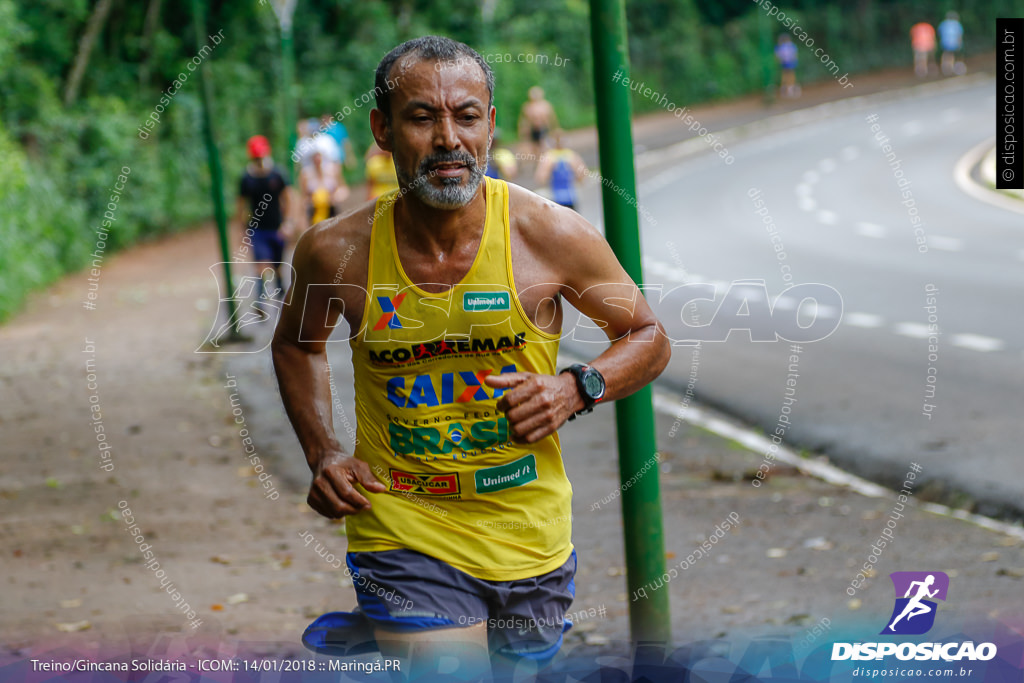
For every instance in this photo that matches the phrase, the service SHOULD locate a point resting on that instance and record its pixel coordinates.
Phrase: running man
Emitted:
(915, 607)
(563, 169)
(536, 119)
(951, 38)
(457, 505)
(264, 195)
(922, 41)
(785, 55)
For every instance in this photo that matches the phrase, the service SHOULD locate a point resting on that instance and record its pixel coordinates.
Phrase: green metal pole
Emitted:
(216, 173)
(287, 85)
(649, 618)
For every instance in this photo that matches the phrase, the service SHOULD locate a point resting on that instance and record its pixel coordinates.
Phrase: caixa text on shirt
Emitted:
(444, 388)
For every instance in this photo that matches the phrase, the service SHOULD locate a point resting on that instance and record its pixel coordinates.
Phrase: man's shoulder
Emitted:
(542, 223)
(344, 238)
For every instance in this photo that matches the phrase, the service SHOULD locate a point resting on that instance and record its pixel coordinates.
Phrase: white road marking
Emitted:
(810, 308)
(911, 128)
(827, 165)
(672, 404)
(871, 230)
(813, 309)
(719, 285)
(747, 291)
(663, 270)
(827, 217)
(867, 320)
(963, 180)
(655, 266)
(849, 153)
(976, 342)
(945, 243)
(915, 330)
(807, 204)
(784, 304)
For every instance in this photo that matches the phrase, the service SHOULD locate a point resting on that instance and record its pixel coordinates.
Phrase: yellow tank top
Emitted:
(427, 425)
(380, 172)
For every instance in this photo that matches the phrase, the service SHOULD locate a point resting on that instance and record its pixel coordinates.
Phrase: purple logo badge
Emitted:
(914, 612)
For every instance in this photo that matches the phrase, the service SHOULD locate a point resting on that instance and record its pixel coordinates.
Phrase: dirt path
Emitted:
(176, 461)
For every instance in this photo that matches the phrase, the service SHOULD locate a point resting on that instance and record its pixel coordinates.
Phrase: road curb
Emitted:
(963, 176)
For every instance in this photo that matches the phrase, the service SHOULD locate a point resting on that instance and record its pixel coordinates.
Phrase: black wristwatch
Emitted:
(590, 384)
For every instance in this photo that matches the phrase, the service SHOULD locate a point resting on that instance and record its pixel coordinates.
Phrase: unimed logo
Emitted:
(914, 614)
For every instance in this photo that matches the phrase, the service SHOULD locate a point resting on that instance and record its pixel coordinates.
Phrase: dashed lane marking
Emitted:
(945, 243)
(866, 320)
(976, 342)
(871, 230)
(913, 330)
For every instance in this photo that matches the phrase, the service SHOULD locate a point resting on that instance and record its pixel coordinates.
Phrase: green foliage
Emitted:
(40, 234)
(59, 162)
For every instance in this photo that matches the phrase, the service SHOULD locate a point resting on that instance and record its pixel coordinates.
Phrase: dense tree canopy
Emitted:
(78, 78)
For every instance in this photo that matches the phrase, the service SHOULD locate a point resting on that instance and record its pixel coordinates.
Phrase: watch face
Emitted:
(593, 383)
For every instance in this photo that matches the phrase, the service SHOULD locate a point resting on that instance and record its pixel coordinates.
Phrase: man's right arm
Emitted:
(300, 361)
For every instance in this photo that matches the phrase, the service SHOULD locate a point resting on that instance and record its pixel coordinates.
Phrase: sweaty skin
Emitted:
(555, 254)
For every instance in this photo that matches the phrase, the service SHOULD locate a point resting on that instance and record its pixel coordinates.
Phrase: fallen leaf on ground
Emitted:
(74, 626)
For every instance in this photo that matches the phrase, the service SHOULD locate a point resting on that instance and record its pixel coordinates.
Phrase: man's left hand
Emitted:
(535, 405)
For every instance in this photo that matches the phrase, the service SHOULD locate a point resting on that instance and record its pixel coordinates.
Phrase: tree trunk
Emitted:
(148, 36)
(85, 45)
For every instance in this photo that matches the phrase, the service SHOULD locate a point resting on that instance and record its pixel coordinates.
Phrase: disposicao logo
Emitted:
(912, 615)
(914, 612)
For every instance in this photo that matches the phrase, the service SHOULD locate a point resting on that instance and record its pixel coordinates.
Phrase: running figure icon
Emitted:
(915, 607)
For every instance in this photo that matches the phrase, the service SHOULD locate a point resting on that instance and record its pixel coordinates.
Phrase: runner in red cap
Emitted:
(264, 196)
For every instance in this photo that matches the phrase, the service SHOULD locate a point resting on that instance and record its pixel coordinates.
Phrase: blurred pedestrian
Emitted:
(563, 169)
(380, 173)
(951, 39)
(264, 195)
(337, 130)
(314, 138)
(501, 162)
(922, 40)
(536, 119)
(785, 55)
(323, 189)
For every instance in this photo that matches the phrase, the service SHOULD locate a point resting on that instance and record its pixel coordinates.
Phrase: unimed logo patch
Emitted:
(522, 471)
(486, 301)
(915, 608)
(445, 484)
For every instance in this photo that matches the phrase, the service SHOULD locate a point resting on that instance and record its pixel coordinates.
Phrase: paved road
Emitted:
(840, 207)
